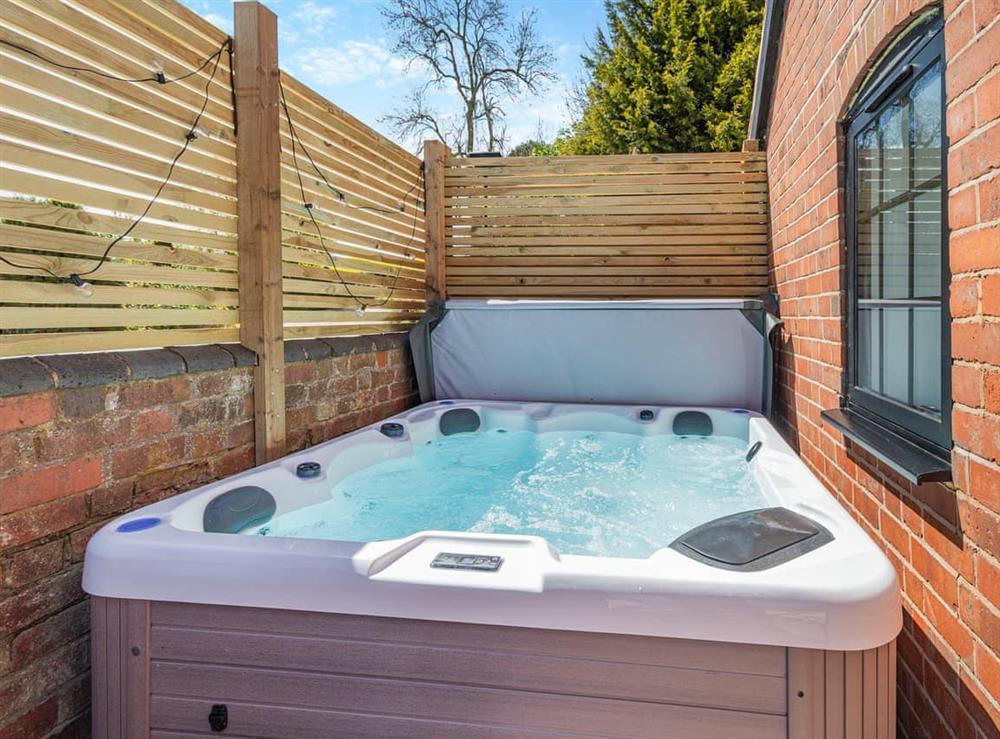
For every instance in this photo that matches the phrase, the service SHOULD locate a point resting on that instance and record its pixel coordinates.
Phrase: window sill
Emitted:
(911, 461)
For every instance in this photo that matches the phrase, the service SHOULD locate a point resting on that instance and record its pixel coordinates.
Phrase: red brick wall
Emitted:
(86, 438)
(943, 539)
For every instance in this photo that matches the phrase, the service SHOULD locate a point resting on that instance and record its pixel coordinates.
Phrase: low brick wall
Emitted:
(84, 438)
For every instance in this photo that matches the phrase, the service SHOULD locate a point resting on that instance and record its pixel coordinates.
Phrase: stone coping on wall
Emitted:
(25, 375)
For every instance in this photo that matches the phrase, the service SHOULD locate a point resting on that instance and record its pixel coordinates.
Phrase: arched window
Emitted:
(899, 355)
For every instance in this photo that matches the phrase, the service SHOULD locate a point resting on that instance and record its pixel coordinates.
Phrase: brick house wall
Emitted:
(85, 438)
(943, 539)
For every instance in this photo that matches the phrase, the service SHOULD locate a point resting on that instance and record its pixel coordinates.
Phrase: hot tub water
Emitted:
(586, 492)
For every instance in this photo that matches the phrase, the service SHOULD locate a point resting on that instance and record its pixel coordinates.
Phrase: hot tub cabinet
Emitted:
(172, 669)
(764, 622)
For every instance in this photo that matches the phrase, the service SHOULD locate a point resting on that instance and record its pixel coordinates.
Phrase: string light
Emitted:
(193, 133)
(84, 287)
(156, 66)
(293, 134)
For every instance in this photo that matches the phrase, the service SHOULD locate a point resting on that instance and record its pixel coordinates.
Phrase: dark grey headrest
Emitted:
(459, 420)
(752, 540)
(692, 423)
(236, 509)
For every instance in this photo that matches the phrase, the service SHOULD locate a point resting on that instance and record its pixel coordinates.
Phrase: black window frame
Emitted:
(918, 50)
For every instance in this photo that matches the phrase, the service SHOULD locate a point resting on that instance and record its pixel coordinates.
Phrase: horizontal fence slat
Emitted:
(346, 329)
(56, 103)
(56, 166)
(608, 251)
(17, 291)
(46, 213)
(578, 261)
(572, 219)
(582, 278)
(691, 225)
(631, 160)
(455, 269)
(64, 242)
(48, 187)
(70, 32)
(112, 271)
(29, 134)
(88, 341)
(83, 154)
(88, 317)
(616, 292)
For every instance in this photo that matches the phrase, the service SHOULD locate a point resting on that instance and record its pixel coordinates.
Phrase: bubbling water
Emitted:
(586, 492)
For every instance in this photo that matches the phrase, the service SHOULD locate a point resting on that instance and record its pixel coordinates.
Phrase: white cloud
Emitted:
(354, 61)
(221, 22)
(314, 18)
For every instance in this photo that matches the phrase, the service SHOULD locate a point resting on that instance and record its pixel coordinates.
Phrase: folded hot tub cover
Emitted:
(711, 352)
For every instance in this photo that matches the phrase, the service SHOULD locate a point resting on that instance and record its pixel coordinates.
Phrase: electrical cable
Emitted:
(309, 209)
(76, 278)
(158, 77)
(339, 193)
(191, 135)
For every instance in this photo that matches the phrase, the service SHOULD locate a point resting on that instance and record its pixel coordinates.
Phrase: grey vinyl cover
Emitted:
(657, 352)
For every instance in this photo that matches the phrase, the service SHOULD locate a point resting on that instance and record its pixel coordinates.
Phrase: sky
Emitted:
(341, 50)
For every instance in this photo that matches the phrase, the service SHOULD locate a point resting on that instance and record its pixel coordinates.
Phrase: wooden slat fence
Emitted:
(670, 225)
(375, 232)
(82, 155)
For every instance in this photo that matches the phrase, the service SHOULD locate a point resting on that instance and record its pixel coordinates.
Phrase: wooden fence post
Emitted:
(435, 155)
(258, 189)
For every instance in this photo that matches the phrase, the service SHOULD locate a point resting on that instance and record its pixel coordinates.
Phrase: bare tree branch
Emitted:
(466, 47)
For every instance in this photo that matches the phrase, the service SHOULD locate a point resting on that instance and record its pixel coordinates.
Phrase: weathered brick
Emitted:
(988, 95)
(41, 599)
(29, 524)
(38, 486)
(153, 393)
(984, 484)
(48, 635)
(964, 297)
(83, 402)
(989, 195)
(991, 288)
(153, 422)
(975, 249)
(25, 411)
(23, 375)
(112, 497)
(992, 391)
(29, 565)
(128, 463)
(68, 440)
(977, 432)
(42, 680)
(967, 385)
(34, 722)
(86, 370)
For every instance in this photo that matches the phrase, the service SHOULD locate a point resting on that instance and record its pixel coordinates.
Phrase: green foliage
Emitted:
(536, 148)
(670, 75)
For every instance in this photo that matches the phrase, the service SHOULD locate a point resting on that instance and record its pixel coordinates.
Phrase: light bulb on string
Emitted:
(158, 72)
(81, 286)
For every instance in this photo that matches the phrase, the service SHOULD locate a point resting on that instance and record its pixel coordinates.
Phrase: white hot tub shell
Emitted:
(301, 637)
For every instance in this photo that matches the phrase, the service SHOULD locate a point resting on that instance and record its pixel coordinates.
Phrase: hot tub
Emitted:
(444, 573)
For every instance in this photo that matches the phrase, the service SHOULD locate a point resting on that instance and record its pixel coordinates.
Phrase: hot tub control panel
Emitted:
(478, 562)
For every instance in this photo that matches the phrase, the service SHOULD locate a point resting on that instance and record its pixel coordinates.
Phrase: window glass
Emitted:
(898, 248)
